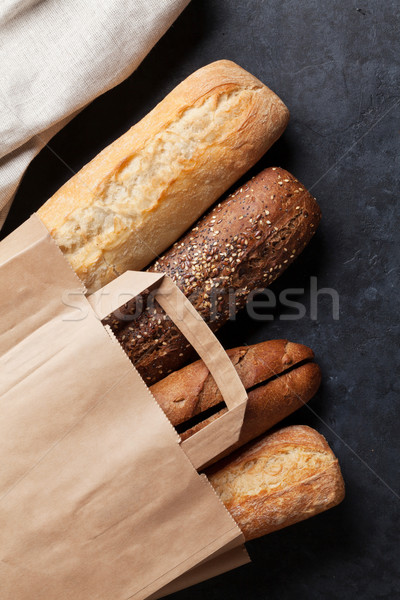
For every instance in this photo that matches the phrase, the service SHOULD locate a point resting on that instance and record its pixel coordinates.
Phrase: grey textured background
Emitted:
(336, 65)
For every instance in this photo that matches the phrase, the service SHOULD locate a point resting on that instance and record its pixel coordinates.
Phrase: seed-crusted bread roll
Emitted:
(244, 243)
(278, 375)
(143, 191)
(285, 477)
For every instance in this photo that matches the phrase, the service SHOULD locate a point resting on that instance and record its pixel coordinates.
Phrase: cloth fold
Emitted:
(55, 58)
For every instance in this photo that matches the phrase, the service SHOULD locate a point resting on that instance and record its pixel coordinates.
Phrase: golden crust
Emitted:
(186, 393)
(143, 191)
(286, 477)
(269, 404)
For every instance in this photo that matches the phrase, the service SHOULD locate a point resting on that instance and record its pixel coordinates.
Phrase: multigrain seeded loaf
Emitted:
(285, 477)
(278, 376)
(143, 191)
(242, 244)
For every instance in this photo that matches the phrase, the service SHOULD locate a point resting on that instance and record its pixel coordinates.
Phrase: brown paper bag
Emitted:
(98, 497)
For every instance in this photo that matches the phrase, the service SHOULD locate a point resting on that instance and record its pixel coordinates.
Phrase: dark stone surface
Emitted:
(336, 65)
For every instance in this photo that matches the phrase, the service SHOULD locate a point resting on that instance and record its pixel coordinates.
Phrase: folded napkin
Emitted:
(55, 58)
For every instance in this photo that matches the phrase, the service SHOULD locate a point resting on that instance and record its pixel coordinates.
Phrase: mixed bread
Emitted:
(136, 205)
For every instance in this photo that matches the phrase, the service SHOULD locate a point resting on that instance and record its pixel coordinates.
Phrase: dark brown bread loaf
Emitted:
(243, 244)
(278, 375)
(285, 477)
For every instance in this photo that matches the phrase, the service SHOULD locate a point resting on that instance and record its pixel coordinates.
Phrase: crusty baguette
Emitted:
(277, 374)
(285, 477)
(143, 191)
(268, 404)
(244, 243)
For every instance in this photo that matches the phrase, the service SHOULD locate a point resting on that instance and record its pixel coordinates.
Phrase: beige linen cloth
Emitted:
(56, 56)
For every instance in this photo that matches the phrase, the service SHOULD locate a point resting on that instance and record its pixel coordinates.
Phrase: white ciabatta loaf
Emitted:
(143, 191)
(284, 477)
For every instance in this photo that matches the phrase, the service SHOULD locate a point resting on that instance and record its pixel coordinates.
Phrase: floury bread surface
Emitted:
(143, 191)
(284, 477)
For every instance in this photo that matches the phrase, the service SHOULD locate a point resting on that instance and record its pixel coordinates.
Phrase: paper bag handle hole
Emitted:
(139, 322)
